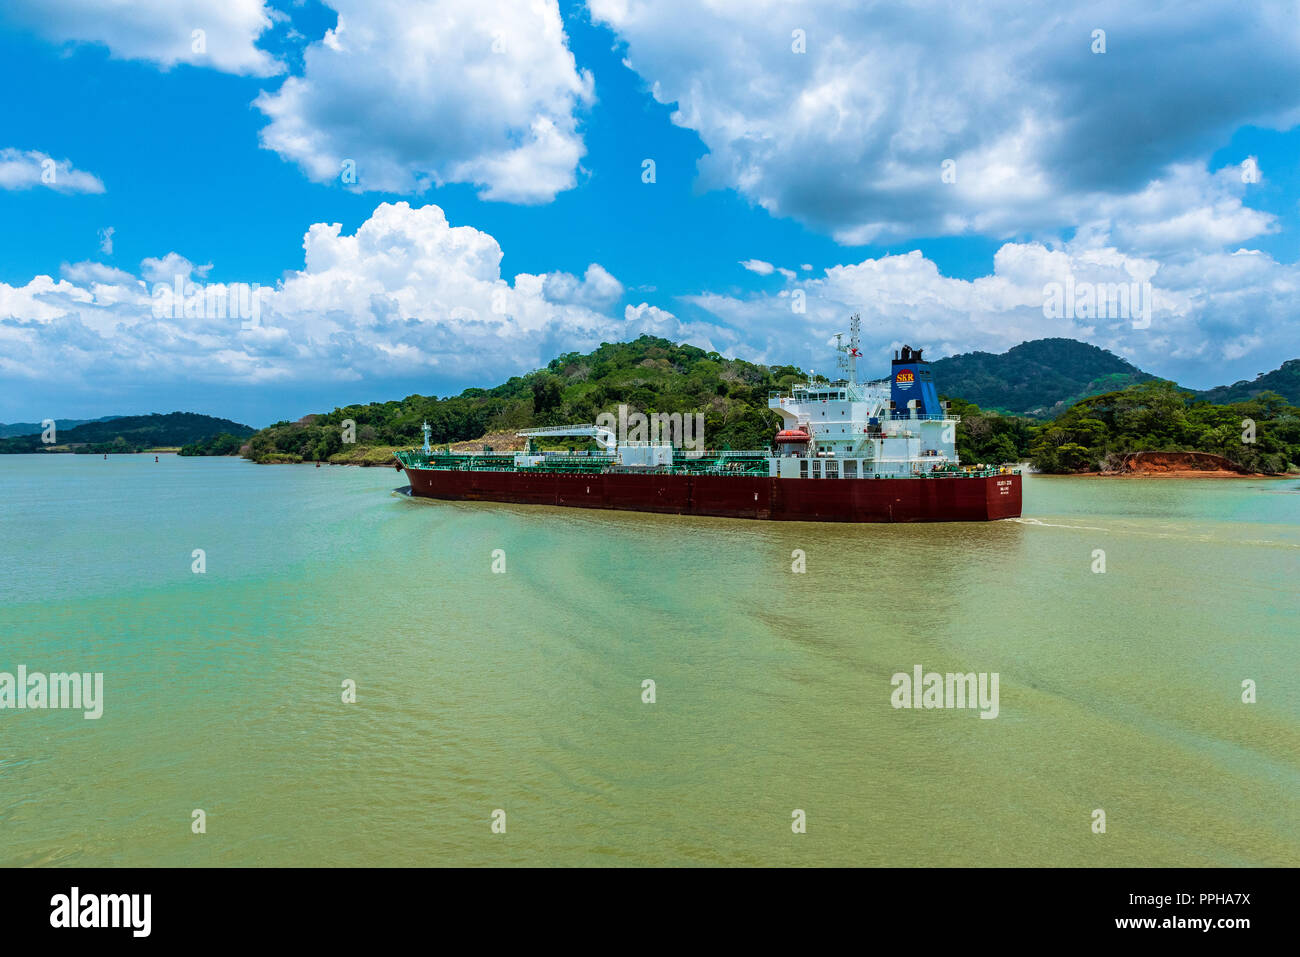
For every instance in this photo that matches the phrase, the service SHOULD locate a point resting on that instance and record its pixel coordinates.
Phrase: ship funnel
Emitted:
(911, 385)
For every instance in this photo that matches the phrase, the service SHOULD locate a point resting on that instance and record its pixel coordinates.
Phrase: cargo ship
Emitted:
(846, 451)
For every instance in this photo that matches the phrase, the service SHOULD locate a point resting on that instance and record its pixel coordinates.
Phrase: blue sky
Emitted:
(500, 216)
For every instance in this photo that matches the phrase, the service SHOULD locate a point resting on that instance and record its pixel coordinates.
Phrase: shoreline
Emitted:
(1164, 465)
(1169, 474)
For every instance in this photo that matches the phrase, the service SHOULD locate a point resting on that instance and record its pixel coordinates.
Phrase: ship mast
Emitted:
(848, 355)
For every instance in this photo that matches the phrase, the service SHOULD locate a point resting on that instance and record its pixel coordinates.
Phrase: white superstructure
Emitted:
(863, 429)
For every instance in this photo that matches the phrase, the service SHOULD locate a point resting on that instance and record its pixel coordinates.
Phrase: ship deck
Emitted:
(724, 463)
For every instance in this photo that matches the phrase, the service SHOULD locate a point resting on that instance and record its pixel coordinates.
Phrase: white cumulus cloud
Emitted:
(415, 95)
(160, 31)
(410, 297)
(24, 169)
(406, 294)
(880, 121)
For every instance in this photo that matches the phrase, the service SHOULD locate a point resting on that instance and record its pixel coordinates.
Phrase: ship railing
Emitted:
(694, 454)
(805, 387)
(444, 454)
(958, 474)
(967, 473)
(578, 454)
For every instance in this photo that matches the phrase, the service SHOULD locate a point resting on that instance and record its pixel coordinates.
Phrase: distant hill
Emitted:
(128, 433)
(35, 428)
(1041, 378)
(1285, 381)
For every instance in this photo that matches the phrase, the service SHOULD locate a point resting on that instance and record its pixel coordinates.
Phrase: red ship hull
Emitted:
(981, 499)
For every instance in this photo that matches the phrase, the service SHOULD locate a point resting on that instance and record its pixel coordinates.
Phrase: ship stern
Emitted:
(1002, 495)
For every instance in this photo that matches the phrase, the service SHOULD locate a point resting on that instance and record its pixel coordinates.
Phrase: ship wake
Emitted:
(1042, 524)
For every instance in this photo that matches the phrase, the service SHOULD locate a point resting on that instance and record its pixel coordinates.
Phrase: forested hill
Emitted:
(10, 429)
(128, 433)
(1285, 381)
(648, 374)
(1040, 378)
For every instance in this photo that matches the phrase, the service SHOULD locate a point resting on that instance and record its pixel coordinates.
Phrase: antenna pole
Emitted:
(855, 326)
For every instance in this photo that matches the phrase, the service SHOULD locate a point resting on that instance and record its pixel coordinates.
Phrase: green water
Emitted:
(523, 691)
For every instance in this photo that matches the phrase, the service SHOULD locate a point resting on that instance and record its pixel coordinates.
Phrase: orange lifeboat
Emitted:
(793, 442)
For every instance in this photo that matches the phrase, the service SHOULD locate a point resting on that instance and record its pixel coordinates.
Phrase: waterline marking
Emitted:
(55, 691)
